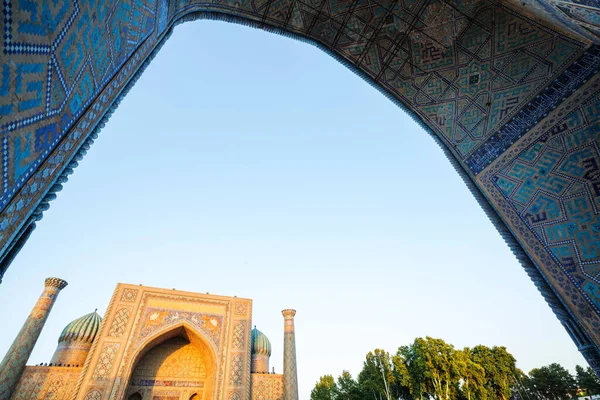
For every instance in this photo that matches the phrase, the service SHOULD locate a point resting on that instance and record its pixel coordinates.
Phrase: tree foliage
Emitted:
(431, 369)
(551, 382)
(472, 375)
(324, 389)
(500, 370)
(347, 388)
(587, 380)
(377, 374)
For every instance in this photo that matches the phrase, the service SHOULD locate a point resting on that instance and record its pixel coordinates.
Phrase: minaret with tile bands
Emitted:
(290, 373)
(14, 361)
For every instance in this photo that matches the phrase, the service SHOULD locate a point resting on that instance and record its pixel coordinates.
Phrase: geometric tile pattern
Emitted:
(236, 372)
(40, 382)
(267, 387)
(550, 185)
(15, 217)
(241, 309)
(93, 395)
(156, 318)
(290, 379)
(47, 84)
(30, 386)
(117, 327)
(174, 360)
(239, 335)
(290, 372)
(479, 76)
(544, 186)
(105, 362)
(554, 185)
(129, 295)
(55, 388)
(553, 94)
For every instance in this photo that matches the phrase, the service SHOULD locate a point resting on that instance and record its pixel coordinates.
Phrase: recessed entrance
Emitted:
(179, 367)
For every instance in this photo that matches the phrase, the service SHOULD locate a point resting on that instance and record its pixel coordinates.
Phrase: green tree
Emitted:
(500, 370)
(377, 376)
(552, 382)
(324, 389)
(472, 376)
(401, 385)
(411, 368)
(347, 388)
(521, 390)
(431, 369)
(441, 368)
(587, 380)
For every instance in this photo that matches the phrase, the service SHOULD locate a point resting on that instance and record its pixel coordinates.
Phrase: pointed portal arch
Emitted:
(177, 362)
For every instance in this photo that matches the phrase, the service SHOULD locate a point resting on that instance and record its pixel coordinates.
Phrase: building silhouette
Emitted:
(153, 343)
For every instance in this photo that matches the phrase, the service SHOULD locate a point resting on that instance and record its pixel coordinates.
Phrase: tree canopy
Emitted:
(324, 389)
(550, 382)
(587, 380)
(431, 369)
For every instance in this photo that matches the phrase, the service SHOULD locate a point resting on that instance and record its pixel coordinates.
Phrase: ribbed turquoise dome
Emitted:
(83, 329)
(260, 343)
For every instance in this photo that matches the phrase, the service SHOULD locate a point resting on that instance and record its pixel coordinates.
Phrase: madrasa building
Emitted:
(157, 344)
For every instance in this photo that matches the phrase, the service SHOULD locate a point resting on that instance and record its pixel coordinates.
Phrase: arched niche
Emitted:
(178, 362)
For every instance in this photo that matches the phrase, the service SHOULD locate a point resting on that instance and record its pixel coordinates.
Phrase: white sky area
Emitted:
(249, 164)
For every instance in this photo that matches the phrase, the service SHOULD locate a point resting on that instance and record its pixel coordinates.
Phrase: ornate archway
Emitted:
(140, 320)
(510, 92)
(176, 361)
(176, 365)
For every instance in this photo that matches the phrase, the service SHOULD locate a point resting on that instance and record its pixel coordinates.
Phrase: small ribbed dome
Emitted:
(260, 343)
(83, 329)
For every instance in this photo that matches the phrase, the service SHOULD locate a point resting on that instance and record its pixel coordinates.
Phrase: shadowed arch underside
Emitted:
(512, 100)
(178, 363)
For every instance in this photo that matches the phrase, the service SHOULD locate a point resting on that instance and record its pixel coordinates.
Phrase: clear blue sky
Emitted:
(245, 163)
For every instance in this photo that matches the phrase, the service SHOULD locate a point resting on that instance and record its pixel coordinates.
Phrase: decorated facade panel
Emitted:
(47, 382)
(549, 188)
(142, 320)
(267, 387)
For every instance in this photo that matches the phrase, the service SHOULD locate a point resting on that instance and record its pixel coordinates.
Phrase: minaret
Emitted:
(13, 364)
(290, 374)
